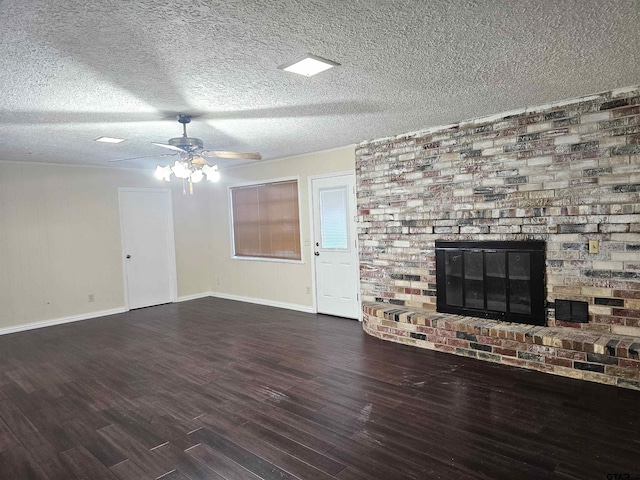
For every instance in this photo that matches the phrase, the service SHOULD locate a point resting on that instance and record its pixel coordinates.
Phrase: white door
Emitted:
(334, 248)
(148, 247)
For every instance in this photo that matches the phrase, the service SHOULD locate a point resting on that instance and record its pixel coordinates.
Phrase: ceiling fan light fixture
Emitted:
(163, 173)
(196, 176)
(309, 65)
(109, 140)
(212, 173)
(181, 170)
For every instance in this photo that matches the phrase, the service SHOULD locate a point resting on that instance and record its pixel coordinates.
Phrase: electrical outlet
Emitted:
(308, 290)
(594, 246)
(92, 297)
(218, 281)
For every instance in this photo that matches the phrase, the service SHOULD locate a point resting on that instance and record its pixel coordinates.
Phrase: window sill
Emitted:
(264, 259)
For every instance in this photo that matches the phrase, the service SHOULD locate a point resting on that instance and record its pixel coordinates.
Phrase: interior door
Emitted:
(335, 253)
(148, 247)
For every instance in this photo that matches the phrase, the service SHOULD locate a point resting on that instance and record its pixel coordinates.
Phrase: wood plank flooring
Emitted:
(216, 389)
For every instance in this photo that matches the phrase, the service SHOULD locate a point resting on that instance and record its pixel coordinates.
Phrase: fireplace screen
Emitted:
(498, 280)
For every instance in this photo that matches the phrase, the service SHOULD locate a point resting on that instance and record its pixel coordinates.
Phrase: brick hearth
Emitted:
(603, 358)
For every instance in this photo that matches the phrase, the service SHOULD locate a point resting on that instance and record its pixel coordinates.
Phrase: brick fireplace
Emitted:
(566, 174)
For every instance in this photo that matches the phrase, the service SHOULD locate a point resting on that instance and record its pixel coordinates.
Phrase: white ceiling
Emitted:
(73, 70)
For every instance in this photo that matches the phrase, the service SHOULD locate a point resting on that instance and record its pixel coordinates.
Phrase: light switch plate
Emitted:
(594, 246)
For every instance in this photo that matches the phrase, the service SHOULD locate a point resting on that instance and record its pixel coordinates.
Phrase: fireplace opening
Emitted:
(497, 280)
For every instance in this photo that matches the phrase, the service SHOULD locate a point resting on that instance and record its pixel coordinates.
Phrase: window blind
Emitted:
(266, 221)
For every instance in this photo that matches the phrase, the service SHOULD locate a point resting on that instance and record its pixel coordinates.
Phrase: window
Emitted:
(334, 224)
(266, 220)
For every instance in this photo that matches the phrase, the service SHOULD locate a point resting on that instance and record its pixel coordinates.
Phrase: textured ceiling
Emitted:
(73, 70)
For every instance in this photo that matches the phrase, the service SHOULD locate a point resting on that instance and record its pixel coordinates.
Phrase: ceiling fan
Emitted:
(191, 165)
(194, 146)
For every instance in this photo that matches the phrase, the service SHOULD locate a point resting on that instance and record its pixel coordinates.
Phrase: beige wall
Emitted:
(60, 240)
(274, 282)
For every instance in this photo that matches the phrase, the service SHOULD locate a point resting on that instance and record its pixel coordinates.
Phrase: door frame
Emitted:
(314, 291)
(172, 242)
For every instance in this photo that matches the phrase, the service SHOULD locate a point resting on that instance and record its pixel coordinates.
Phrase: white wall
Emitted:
(274, 283)
(60, 240)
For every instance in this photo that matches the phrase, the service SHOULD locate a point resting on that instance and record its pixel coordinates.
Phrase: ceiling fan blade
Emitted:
(146, 156)
(199, 161)
(221, 154)
(170, 147)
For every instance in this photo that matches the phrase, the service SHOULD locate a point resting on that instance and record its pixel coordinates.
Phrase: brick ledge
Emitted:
(598, 357)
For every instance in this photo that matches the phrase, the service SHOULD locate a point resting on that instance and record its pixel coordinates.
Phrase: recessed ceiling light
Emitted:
(109, 140)
(309, 65)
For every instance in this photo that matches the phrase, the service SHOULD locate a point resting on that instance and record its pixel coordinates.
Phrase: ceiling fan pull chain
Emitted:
(184, 190)
(190, 186)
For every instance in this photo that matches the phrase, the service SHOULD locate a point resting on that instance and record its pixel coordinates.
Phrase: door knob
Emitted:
(128, 256)
(317, 254)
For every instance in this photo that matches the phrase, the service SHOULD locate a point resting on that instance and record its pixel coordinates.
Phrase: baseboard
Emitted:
(60, 321)
(263, 301)
(195, 296)
(186, 298)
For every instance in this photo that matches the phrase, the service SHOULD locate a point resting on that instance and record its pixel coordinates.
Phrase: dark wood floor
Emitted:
(215, 389)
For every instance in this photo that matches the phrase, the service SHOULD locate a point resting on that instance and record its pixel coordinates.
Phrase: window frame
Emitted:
(254, 183)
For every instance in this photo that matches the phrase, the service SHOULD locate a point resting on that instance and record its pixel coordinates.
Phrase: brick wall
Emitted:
(564, 173)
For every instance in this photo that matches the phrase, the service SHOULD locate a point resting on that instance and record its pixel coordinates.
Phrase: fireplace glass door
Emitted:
(500, 280)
